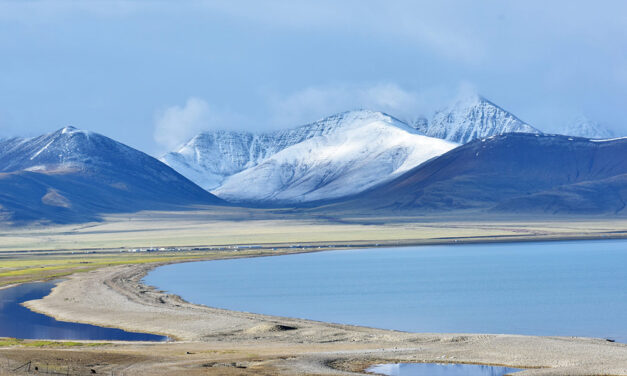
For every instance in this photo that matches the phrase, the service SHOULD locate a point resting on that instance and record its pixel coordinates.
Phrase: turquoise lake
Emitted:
(576, 288)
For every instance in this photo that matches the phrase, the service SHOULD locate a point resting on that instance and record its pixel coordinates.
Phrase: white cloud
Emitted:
(316, 102)
(177, 124)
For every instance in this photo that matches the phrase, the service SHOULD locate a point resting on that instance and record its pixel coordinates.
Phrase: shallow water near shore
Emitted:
(574, 288)
(17, 321)
(440, 369)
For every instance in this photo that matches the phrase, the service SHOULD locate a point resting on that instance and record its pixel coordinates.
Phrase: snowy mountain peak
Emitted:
(66, 148)
(352, 153)
(339, 155)
(473, 117)
(210, 157)
(70, 130)
(356, 118)
(72, 175)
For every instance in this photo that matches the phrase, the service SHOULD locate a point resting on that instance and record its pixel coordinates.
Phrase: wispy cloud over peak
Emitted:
(176, 124)
(316, 102)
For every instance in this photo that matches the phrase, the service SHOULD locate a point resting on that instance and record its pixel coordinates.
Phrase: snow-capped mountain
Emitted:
(66, 149)
(471, 118)
(584, 127)
(75, 175)
(337, 156)
(296, 165)
(210, 157)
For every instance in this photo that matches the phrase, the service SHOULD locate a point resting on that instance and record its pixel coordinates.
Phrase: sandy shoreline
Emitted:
(115, 296)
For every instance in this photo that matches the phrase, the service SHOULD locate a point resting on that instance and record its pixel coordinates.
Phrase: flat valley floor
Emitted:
(103, 286)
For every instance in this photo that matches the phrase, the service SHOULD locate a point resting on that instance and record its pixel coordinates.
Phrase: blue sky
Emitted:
(152, 73)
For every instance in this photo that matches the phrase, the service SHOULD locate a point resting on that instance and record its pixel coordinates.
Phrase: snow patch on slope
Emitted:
(210, 157)
(364, 152)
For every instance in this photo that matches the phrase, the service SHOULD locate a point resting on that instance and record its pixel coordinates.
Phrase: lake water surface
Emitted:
(18, 321)
(576, 288)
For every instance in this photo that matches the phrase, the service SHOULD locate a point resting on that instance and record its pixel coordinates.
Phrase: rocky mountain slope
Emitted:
(511, 173)
(72, 175)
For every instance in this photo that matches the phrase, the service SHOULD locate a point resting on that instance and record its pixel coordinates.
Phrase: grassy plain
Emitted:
(227, 227)
(20, 268)
(11, 342)
(40, 252)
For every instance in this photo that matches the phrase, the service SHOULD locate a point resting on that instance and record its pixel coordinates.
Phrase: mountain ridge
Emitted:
(336, 163)
(234, 151)
(73, 175)
(472, 117)
(515, 172)
(216, 160)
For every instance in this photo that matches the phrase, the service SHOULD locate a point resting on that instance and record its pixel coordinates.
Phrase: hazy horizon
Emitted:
(151, 74)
